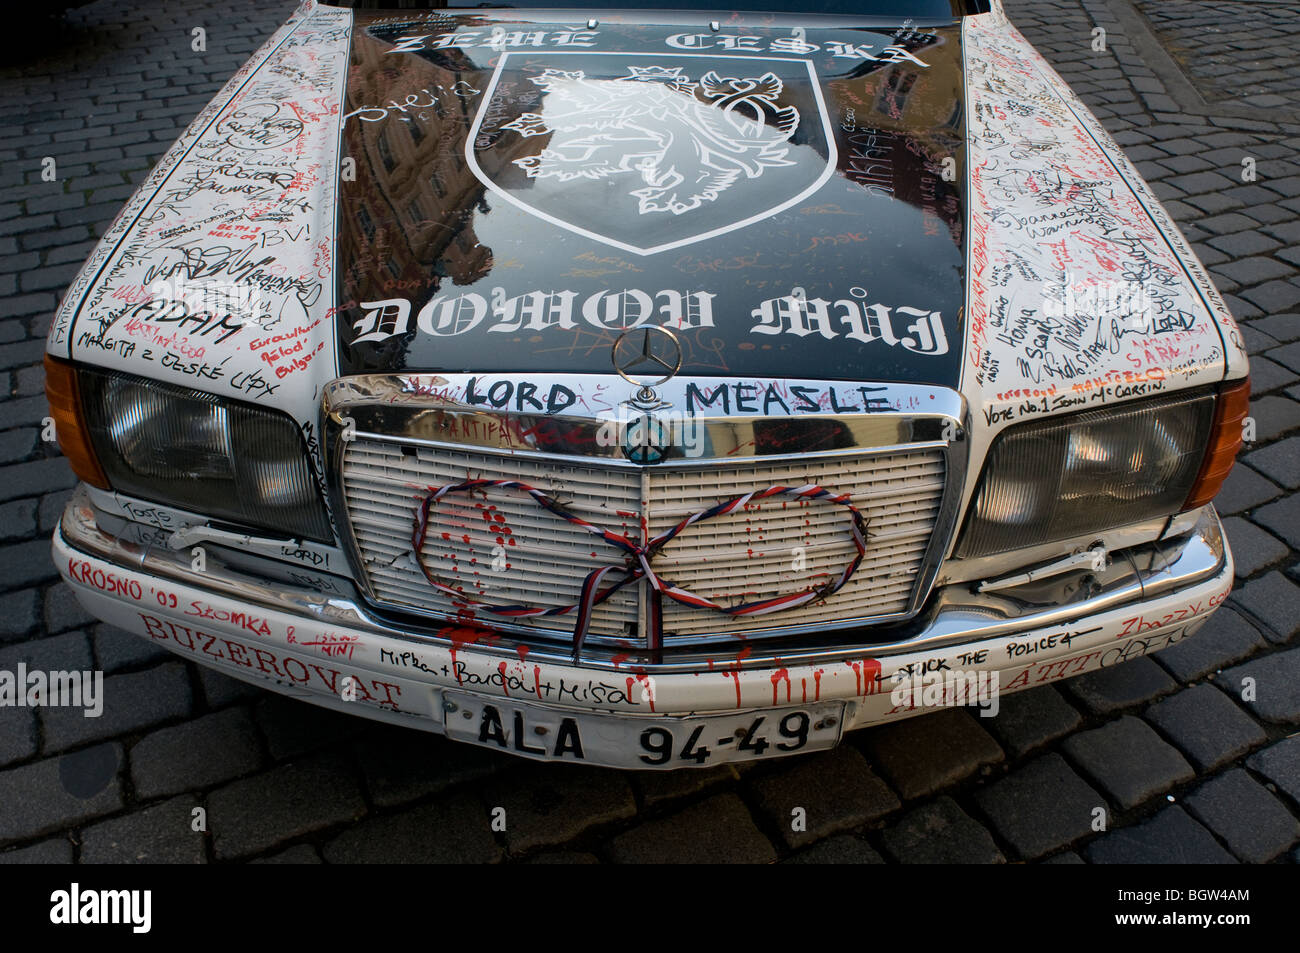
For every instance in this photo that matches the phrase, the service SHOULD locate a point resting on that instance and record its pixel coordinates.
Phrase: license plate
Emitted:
(637, 742)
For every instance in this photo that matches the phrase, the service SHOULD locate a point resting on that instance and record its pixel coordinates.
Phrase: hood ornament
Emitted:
(647, 357)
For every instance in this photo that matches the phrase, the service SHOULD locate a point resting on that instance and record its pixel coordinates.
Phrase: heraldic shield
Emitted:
(649, 151)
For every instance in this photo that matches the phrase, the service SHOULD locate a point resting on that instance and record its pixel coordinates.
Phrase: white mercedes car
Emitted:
(647, 387)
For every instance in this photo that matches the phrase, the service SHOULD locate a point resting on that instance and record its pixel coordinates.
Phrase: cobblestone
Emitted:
(57, 793)
(1040, 807)
(196, 754)
(940, 833)
(1109, 690)
(1274, 416)
(1275, 601)
(117, 650)
(1030, 719)
(1128, 761)
(1171, 837)
(1280, 764)
(1279, 462)
(842, 849)
(558, 802)
(718, 831)
(130, 702)
(922, 755)
(162, 834)
(255, 814)
(292, 727)
(1252, 548)
(220, 690)
(18, 739)
(69, 652)
(19, 614)
(401, 766)
(63, 612)
(53, 851)
(1206, 726)
(658, 787)
(834, 791)
(455, 831)
(1272, 684)
(1252, 822)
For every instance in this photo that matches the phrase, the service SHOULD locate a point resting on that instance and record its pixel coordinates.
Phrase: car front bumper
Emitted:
(332, 651)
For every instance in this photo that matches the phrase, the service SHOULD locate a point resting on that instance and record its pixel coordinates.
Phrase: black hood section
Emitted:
(789, 201)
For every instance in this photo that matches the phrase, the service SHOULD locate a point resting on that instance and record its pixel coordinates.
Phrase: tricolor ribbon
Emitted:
(636, 564)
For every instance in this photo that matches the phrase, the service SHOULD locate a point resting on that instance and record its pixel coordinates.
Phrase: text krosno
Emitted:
(58, 689)
(949, 688)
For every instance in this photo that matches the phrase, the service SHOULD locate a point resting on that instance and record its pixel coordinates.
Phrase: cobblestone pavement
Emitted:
(1187, 770)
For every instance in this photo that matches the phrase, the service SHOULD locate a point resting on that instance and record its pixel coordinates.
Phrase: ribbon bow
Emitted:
(636, 564)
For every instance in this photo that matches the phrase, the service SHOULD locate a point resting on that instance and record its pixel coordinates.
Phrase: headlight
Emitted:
(200, 453)
(1088, 472)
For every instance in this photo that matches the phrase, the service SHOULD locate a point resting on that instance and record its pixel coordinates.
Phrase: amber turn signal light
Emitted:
(65, 406)
(1225, 440)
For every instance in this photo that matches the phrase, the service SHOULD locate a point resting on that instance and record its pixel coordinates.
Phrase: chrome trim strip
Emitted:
(980, 568)
(450, 410)
(162, 523)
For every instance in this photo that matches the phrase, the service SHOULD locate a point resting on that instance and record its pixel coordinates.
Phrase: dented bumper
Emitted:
(328, 649)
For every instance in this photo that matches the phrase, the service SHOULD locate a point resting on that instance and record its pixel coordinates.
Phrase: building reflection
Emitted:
(406, 225)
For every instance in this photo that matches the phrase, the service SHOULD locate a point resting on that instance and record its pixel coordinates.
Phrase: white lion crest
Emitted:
(687, 142)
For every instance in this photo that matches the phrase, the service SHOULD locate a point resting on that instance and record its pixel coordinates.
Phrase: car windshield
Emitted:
(921, 9)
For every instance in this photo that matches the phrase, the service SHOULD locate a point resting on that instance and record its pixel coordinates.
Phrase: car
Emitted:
(647, 387)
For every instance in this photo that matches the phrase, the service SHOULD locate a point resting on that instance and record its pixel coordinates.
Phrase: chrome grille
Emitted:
(765, 550)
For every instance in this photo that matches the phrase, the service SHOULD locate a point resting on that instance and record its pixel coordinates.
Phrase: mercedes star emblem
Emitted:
(647, 357)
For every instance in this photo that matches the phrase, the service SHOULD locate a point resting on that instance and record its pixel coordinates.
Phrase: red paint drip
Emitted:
(736, 675)
(458, 637)
(871, 672)
(779, 674)
(649, 688)
(502, 669)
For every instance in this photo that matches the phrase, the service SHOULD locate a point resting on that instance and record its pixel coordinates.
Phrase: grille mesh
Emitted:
(748, 554)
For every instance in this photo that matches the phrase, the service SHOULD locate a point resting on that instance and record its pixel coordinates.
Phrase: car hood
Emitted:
(504, 193)
(789, 202)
